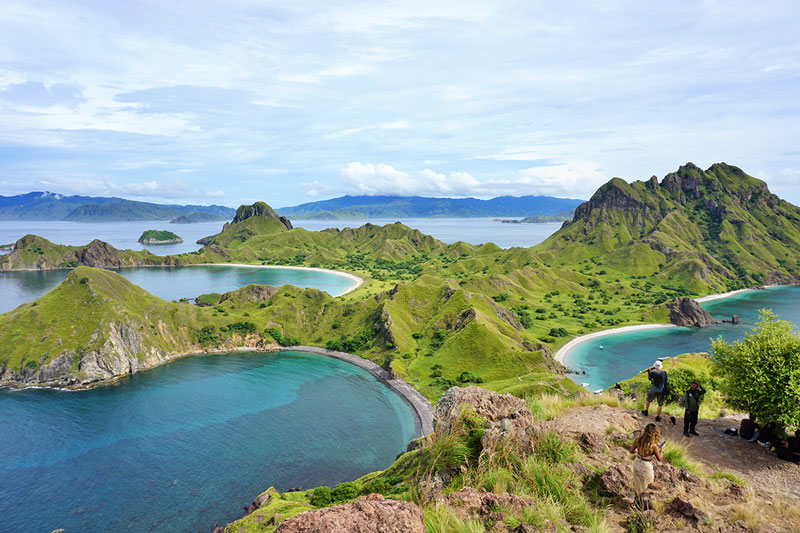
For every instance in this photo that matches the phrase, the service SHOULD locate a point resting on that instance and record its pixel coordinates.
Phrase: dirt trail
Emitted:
(714, 450)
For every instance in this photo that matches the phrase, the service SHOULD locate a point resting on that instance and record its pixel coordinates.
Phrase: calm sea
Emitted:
(185, 446)
(612, 358)
(125, 235)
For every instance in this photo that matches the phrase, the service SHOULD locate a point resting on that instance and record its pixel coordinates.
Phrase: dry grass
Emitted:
(777, 512)
(548, 406)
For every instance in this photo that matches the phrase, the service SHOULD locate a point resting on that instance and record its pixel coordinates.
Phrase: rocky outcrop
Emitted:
(368, 514)
(32, 252)
(470, 503)
(688, 313)
(508, 419)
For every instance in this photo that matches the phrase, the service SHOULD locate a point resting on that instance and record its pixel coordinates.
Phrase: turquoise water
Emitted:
(185, 446)
(625, 354)
(174, 283)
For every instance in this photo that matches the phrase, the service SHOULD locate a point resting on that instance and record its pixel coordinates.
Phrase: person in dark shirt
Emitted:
(748, 429)
(768, 434)
(658, 383)
(794, 446)
(692, 398)
(784, 451)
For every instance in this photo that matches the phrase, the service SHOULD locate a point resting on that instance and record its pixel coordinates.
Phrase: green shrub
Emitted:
(321, 497)
(345, 491)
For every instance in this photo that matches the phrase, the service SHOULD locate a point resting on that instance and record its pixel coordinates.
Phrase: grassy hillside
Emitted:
(712, 230)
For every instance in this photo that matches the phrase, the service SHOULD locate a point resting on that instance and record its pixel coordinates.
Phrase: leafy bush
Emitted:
(345, 491)
(243, 328)
(321, 497)
(208, 337)
(469, 377)
(502, 297)
(558, 332)
(760, 375)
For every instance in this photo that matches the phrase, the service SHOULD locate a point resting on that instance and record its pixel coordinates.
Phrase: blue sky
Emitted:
(235, 101)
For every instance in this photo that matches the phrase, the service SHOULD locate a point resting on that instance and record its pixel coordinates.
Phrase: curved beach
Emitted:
(562, 353)
(357, 281)
(420, 405)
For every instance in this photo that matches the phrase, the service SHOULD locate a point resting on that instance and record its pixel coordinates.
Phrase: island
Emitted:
(198, 216)
(153, 236)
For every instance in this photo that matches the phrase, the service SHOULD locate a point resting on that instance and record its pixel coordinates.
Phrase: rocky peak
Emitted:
(259, 209)
(616, 193)
(368, 514)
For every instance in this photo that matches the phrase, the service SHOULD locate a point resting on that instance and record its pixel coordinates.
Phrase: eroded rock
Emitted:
(368, 514)
(508, 419)
(688, 313)
(481, 504)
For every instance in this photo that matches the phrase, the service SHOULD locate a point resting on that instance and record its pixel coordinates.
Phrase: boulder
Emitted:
(684, 508)
(687, 312)
(368, 514)
(592, 442)
(508, 419)
(472, 503)
(615, 481)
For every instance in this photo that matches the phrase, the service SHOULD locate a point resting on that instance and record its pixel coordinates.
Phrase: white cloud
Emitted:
(574, 178)
(564, 180)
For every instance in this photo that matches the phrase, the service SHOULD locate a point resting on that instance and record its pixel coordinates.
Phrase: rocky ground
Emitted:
(724, 485)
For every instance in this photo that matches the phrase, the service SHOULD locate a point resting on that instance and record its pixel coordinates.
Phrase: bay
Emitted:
(612, 358)
(174, 283)
(185, 446)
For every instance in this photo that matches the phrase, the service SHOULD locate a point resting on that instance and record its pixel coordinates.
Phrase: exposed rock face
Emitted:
(687, 312)
(470, 503)
(508, 419)
(368, 514)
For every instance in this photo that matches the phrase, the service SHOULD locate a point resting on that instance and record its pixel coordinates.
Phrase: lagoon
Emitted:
(612, 358)
(186, 445)
(174, 283)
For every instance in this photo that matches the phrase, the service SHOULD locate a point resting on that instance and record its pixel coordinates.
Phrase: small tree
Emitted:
(761, 374)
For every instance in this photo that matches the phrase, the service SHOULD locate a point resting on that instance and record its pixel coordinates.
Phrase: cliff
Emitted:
(97, 326)
(687, 312)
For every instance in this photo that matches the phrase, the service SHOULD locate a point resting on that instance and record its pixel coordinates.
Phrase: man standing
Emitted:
(692, 398)
(658, 382)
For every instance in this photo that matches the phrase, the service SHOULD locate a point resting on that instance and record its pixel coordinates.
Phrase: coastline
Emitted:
(422, 408)
(562, 353)
(357, 281)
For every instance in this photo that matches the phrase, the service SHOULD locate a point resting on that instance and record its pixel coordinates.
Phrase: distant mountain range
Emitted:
(421, 207)
(52, 206)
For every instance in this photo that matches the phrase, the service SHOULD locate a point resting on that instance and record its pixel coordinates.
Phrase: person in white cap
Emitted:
(658, 384)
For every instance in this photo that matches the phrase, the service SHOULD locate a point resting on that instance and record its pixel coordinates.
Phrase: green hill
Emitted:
(712, 230)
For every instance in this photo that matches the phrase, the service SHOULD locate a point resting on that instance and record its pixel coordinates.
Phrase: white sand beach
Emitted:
(561, 354)
(352, 277)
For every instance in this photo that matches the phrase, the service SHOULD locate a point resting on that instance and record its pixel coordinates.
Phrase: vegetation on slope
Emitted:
(152, 236)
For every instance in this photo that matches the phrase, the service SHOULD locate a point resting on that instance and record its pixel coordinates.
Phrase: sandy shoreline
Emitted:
(357, 282)
(562, 353)
(419, 404)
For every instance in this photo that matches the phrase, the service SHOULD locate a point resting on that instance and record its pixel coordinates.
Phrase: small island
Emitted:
(153, 236)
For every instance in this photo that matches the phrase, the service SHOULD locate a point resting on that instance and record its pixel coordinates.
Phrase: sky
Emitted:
(233, 101)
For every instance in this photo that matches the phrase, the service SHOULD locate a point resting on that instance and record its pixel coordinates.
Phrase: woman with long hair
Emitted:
(645, 447)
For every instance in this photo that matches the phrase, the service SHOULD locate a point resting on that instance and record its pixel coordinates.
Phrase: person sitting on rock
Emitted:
(692, 398)
(658, 380)
(748, 429)
(645, 447)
